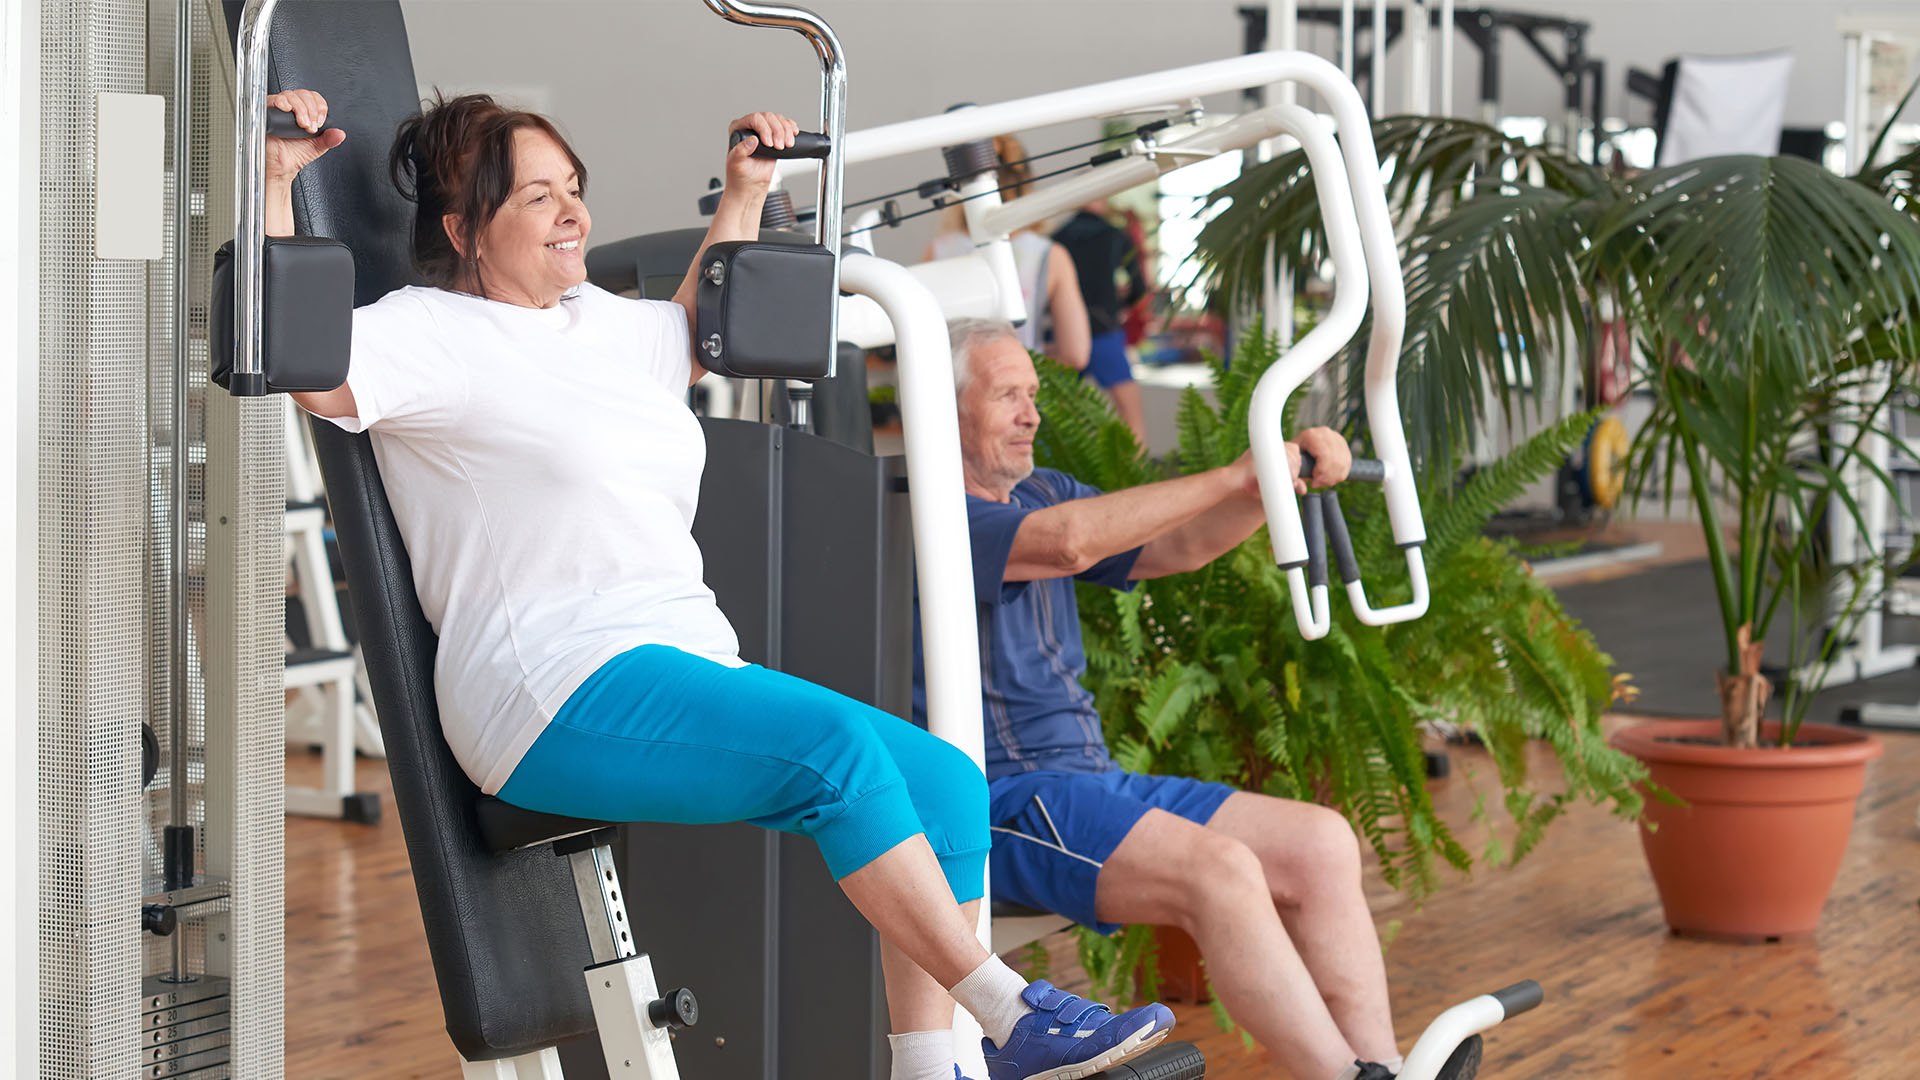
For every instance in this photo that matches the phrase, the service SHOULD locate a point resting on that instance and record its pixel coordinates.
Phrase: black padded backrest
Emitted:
(505, 931)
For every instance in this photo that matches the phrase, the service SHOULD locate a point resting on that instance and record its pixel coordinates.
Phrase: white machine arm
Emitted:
(1360, 238)
(1462, 1021)
(943, 554)
(1312, 352)
(1389, 303)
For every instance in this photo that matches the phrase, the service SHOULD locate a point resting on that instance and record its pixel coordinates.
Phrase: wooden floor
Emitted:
(1624, 999)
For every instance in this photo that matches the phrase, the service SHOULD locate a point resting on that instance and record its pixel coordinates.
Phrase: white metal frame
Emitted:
(1867, 655)
(327, 706)
(620, 983)
(1455, 1026)
(1360, 232)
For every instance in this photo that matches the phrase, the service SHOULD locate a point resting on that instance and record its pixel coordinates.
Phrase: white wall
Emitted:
(645, 87)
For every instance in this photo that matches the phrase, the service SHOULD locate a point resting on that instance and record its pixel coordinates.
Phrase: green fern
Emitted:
(1495, 486)
(1204, 674)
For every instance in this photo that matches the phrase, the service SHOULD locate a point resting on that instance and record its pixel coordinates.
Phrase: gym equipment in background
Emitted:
(1559, 43)
(1706, 106)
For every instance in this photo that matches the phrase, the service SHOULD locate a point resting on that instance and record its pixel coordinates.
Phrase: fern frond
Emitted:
(1496, 486)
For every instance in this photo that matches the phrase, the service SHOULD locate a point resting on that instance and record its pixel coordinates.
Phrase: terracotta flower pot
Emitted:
(1753, 854)
(1183, 974)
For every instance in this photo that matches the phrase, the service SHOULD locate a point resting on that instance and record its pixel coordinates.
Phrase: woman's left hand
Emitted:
(745, 171)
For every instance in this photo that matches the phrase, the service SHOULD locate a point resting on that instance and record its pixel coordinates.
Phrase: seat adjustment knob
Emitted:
(159, 919)
(678, 1009)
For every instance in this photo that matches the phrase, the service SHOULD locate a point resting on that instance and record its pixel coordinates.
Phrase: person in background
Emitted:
(1056, 323)
(1111, 281)
(1137, 319)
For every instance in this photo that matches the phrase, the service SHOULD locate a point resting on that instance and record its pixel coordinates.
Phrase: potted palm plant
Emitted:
(1775, 305)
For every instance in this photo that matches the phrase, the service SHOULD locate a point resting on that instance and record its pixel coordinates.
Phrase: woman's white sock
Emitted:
(922, 1055)
(992, 994)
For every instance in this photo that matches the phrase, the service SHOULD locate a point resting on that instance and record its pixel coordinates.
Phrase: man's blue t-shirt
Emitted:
(1038, 716)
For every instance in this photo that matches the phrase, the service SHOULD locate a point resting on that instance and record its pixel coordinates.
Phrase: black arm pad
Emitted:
(306, 327)
(765, 310)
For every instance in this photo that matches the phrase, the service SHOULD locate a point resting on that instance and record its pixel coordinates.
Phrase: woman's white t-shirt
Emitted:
(543, 468)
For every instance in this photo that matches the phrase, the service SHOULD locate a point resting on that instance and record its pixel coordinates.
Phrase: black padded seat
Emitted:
(503, 927)
(506, 827)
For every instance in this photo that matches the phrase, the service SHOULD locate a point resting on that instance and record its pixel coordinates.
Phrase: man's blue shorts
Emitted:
(1053, 831)
(1107, 361)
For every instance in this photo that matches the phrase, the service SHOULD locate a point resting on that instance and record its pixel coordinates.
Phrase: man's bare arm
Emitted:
(1063, 540)
(1225, 526)
(1219, 530)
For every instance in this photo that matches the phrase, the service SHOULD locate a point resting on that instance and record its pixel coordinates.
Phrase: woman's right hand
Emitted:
(286, 157)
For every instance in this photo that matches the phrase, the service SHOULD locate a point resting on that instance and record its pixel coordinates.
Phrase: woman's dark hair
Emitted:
(455, 156)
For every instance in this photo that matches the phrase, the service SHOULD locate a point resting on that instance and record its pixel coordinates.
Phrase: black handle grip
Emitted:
(1314, 523)
(1520, 997)
(806, 144)
(1365, 470)
(282, 125)
(1338, 538)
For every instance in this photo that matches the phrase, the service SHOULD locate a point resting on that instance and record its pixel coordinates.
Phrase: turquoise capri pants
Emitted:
(657, 734)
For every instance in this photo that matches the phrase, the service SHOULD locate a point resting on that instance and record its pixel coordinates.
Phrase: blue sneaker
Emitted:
(1067, 1037)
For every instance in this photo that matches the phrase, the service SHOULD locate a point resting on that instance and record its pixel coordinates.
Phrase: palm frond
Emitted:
(1494, 305)
(1724, 252)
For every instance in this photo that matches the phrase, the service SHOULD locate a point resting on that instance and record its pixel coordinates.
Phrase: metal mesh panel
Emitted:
(106, 470)
(94, 623)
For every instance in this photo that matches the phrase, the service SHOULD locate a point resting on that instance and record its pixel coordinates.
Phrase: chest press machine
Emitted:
(493, 897)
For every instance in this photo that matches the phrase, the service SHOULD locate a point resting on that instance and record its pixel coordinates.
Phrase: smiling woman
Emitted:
(501, 195)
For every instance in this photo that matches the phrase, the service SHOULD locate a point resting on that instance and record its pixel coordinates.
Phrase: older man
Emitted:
(1269, 888)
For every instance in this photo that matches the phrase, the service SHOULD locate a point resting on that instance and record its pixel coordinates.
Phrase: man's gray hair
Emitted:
(968, 335)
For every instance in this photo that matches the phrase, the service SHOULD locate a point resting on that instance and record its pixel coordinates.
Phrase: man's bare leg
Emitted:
(1311, 860)
(1170, 871)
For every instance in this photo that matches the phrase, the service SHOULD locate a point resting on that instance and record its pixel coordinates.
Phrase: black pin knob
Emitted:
(159, 919)
(678, 1009)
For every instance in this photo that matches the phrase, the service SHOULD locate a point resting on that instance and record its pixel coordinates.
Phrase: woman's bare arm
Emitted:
(285, 159)
(738, 215)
